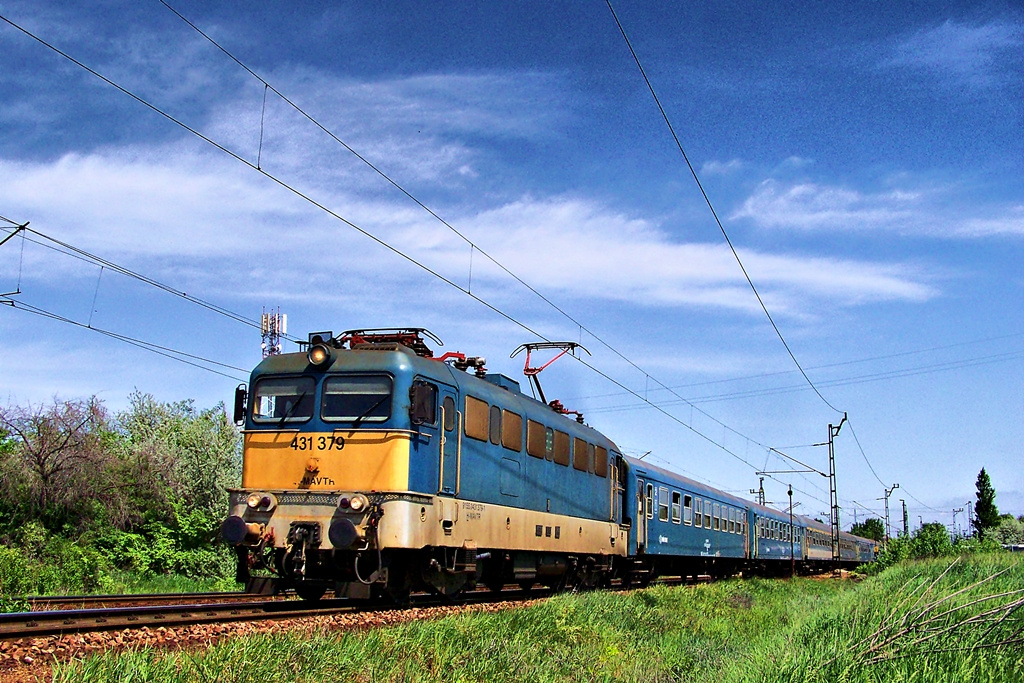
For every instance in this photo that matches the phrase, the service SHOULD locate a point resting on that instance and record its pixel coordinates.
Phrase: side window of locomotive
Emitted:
(676, 511)
(579, 455)
(357, 398)
(476, 418)
(283, 399)
(562, 448)
(649, 502)
(601, 461)
(449, 413)
(688, 510)
(536, 439)
(495, 430)
(662, 504)
(511, 430)
(423, 403)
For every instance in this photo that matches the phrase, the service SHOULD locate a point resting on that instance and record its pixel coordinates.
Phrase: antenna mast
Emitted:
(273, 326)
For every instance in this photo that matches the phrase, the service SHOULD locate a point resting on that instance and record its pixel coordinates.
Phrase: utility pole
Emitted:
(759, 492)
(833, 432)
(792, 555)
(888, 492)
(906, 522)
(970, 517)
(955, 511)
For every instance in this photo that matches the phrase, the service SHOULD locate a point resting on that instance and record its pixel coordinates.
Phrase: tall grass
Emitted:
(922, 623)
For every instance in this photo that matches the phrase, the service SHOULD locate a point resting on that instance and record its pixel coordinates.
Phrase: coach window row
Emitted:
(697, 512)
(492, 423)
(774, 530)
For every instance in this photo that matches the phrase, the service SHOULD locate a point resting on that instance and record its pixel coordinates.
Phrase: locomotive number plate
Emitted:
(317, 443)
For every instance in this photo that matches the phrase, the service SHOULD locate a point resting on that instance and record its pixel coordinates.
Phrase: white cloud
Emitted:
(809, 206)
(928, 211)
(964, 54)
(721, 167)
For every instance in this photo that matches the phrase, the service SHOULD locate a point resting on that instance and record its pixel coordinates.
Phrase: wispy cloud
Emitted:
(809, 206)
(911, 209)
(962, 54)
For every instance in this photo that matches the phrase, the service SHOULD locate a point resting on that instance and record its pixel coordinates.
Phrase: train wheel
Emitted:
(310, 591)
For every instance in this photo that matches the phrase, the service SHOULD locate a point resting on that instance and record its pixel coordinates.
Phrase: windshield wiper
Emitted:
(288, 413)
(369, 410)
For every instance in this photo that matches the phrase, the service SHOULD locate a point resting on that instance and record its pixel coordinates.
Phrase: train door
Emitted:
(450, 447)
(641, 516)
(436, 417)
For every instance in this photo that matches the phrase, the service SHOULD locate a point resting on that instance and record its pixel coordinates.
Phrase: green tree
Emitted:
(870, 528)
(1010, 530)
(986, 514)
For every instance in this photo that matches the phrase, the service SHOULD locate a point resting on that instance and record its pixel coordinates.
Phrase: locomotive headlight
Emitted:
(261, 501)
(358, 503)
(318, 354)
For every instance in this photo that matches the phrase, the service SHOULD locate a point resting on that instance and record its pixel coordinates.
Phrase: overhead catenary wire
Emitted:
(472, 245)
(403, 255)
(88, 257)
(707, 199)
(167, 352)
(322, 207)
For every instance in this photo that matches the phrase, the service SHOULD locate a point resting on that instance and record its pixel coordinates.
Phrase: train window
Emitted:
(676, 511)
(536, 439)
(422, 403)
(716, 515)
(730, 521)
(601, 461)
(662, 504)
(561, 454)
(707, 514)
(511, 430)
(283, 399)
(449, 413)
(476, 418)
(580, 460)
(356, 399)
(649, 502)
(698, 517)
(495, 427)
(688, 510)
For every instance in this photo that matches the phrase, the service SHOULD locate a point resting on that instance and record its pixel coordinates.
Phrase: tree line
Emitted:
(141, 489)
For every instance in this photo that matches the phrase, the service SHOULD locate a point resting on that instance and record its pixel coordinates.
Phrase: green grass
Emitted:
(734, 631)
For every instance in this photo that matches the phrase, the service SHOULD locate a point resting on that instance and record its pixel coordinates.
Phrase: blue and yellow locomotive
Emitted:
(373, 468)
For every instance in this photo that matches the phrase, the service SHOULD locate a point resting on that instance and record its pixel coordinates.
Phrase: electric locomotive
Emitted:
(372, 467)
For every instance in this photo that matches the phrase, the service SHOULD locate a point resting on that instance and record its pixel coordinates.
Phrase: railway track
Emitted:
(49, 602)
(244, 607)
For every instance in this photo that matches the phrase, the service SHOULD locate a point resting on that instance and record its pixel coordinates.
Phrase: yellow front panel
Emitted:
(349, 461)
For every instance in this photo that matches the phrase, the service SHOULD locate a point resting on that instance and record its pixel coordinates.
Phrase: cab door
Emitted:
(450, 446)
(436, 420)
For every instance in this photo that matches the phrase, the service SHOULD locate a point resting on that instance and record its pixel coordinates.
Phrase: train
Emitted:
(372, 468)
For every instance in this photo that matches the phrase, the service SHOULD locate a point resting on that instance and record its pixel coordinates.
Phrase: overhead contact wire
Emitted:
(364, 232)
(473, 246)
(721, 227)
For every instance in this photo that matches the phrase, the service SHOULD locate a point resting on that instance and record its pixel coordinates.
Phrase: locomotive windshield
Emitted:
(356, 398)
(283, 399)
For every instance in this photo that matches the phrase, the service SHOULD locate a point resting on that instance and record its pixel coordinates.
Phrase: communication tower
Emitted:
(272, 326)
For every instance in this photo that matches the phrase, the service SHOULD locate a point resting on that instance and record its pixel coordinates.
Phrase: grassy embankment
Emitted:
(940, 620)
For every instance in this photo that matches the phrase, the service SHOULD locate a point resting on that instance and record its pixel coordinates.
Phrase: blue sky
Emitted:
(864, 159)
